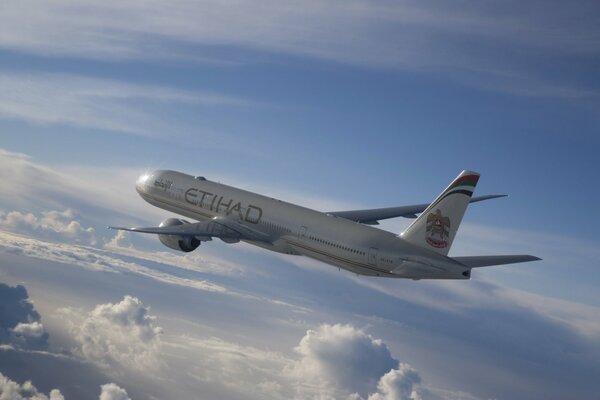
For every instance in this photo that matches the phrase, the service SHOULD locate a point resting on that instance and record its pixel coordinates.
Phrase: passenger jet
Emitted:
(345, 239)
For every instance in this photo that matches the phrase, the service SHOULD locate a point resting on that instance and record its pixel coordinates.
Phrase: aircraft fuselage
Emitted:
(298, 230)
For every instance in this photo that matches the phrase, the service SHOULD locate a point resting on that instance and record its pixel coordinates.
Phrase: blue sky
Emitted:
(348, 104)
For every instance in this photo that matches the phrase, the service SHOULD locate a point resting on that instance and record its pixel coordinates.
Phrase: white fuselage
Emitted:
(297, 230)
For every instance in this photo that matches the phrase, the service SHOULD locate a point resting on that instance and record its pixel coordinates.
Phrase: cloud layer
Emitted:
(11, 390)
(54, 225)
(500, 47)
(96, 103)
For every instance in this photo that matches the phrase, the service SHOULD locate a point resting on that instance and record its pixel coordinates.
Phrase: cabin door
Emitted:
(373, 256)
(302, 232)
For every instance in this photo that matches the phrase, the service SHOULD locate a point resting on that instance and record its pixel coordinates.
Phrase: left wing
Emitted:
(371, 216)
(217, 227)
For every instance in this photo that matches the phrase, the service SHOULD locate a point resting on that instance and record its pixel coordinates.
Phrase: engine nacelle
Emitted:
(175, 242)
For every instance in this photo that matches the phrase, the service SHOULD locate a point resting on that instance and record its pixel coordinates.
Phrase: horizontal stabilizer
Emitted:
(486, 261)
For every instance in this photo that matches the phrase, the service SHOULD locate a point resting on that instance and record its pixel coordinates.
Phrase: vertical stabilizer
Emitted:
(436, 226)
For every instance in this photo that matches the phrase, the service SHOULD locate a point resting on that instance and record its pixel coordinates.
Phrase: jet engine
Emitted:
(176, 242)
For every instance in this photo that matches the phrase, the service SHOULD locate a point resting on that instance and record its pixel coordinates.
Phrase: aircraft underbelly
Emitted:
(355, 266)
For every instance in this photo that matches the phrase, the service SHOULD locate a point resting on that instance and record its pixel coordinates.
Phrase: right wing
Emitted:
(486, 261)
(371, 216)
(217, 227)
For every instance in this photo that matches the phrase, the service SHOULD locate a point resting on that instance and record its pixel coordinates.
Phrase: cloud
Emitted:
(19, 321)
(122, 334)
(272, 26)
(112, 391)
(98, 103)
(335, 362)
(194, 261)
(35, 187)
(491, 45)
(398, 384)
(54, 225)
(484, 333)
(31, 329)
(339, 358)
(11, 390)
(94, 259)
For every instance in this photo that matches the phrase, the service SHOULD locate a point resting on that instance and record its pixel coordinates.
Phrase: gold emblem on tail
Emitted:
(438, 229)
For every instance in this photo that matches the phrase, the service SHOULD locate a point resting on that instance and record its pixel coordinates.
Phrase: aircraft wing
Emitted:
(371, 216)
(486, 261)
(217, 227)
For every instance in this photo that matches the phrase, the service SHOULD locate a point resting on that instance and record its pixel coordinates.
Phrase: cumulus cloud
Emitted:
(333, 362)
(112, 391)
(122, 334)
(54, 225)
(11, 390)
(341, 361)
(20, 323)
(32, 330)
(340, 358)
(398, 384)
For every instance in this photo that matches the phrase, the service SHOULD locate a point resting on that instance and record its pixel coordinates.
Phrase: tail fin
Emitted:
(436, 226)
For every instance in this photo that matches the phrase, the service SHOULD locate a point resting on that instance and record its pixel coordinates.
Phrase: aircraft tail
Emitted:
(437, 225)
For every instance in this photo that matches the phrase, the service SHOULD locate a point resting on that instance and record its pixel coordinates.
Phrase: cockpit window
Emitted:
(200, 178)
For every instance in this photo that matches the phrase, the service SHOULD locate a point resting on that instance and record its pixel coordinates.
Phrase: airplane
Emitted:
(344, 239)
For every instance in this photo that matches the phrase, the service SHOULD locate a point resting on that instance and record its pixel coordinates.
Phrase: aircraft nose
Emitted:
(142, 181)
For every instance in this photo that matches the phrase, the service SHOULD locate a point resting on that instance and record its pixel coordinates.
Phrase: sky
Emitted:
(331, 105)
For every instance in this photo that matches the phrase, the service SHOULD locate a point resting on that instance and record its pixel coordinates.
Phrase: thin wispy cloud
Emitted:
(496, 40)
(103, 104)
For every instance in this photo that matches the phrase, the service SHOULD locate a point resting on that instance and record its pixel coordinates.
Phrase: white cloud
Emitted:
(122, 334)
(98, 260)
(54, 225)
(488, 43)
(115, 30)
(335, 362)
(339, 359)
(30, 185)
(398, 384)
(193, 261)
(112, 391)
(11, 390)
(34, 330)
(98, 103)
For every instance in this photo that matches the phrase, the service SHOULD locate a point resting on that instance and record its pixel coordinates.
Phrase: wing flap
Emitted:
(217, 227)
(487, 261)
(201, 229)
(371, 216)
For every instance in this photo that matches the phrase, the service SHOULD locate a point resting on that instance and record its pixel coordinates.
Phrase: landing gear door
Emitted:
(373, 256)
